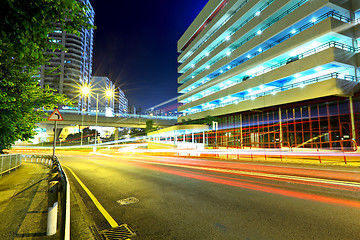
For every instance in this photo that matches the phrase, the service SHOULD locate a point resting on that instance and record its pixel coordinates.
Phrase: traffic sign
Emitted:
(55, 116)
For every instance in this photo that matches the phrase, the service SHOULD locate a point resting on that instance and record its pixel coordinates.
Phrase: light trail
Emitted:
(272, 190)
(164, 164)
(259, 174)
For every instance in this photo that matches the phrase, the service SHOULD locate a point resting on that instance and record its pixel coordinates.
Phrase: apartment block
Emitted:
(74, 66)
(274, 73)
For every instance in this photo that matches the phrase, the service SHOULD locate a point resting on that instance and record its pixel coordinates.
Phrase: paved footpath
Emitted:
(23, 206)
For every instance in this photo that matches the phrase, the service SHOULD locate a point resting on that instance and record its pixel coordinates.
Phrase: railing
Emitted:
(122, 115)
(57, 177)
(9, 162)
(322, 47)
(349, 145)
(239, 61)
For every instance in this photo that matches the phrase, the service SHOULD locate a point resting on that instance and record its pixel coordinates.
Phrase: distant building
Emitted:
(121, 102)
(116, 103)
(274, 72)
(99, 88)
(75, 64)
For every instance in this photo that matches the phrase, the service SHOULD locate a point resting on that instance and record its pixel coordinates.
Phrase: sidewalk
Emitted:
(24, 204)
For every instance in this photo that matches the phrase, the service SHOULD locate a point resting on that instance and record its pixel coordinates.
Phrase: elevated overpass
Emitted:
(72, 118)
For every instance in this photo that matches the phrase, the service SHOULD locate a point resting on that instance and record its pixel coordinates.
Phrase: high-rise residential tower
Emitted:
(274, 72)
(75, 64)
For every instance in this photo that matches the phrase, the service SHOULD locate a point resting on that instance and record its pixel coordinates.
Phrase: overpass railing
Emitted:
(122, 115)
(9, 162)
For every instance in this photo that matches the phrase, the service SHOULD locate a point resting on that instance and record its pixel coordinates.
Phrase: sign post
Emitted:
(55, 116)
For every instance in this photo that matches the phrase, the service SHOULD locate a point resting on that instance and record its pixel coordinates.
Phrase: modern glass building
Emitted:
(74, 65)
(274, 73)
(121, 102)
(108, 105)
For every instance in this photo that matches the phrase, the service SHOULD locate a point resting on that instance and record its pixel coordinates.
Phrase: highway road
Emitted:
(187, 198)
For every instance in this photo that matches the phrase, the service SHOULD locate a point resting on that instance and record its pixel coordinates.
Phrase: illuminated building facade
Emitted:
(274, 73)
(121, 102)
(74, 65)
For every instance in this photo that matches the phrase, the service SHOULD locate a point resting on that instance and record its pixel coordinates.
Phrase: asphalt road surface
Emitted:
(186, 198)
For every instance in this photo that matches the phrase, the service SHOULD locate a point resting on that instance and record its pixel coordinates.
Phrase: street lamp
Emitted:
(108, 93)
(96, 117)
(85, 91)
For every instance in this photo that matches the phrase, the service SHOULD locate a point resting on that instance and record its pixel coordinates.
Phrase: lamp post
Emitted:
(108, 93)
(85, 91)
(96, 118)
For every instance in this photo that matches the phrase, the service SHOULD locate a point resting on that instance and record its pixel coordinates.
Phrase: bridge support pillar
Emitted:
(116, 134)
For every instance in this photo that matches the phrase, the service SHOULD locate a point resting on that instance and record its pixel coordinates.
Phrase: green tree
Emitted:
(136, 132)
(150, 126)
(209, 119)
(24, 41)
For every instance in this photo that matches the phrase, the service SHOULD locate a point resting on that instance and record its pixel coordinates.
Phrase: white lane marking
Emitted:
(269, 175)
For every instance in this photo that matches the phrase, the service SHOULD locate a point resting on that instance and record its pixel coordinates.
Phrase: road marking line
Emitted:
(102, 210)
(306, 179)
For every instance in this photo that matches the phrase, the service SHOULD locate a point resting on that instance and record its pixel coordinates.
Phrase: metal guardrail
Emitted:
(9, 162)
(63, 187)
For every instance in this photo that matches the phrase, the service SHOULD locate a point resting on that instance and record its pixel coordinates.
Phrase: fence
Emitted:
(64, 191)
(9, 162)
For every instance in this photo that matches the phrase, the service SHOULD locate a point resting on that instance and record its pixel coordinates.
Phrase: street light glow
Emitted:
(109, 93)
(85, 90)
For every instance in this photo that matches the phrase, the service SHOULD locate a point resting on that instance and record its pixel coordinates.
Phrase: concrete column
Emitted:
(352, 118)
(241, 134)
(116, 134)
(203, 137)
(280, 137)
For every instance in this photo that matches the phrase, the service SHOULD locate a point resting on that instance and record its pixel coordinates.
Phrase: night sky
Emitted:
(135, 45)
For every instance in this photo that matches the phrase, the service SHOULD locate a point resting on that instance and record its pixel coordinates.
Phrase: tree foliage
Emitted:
(150, 126)
(207, 120)
(24, 40)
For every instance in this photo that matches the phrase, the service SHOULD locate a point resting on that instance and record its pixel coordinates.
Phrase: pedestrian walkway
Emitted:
(23, 202)
(24, 205)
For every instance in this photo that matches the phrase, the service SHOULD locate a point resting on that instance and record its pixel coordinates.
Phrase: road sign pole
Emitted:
(54, 145)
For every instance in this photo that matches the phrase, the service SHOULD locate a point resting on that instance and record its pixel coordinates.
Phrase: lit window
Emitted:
(208, 79)
(297, 75)
(222, 99)
(228, 67)
(260, 50)
(192, 65)
(207, 54)
(207, 67)
(227, 38)
(313, 20)
(221, 71)
(248, 56)
(259, 32)
(261, 86)
(293, 31)
(228, 53)
(192, 76)
(257, 13)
